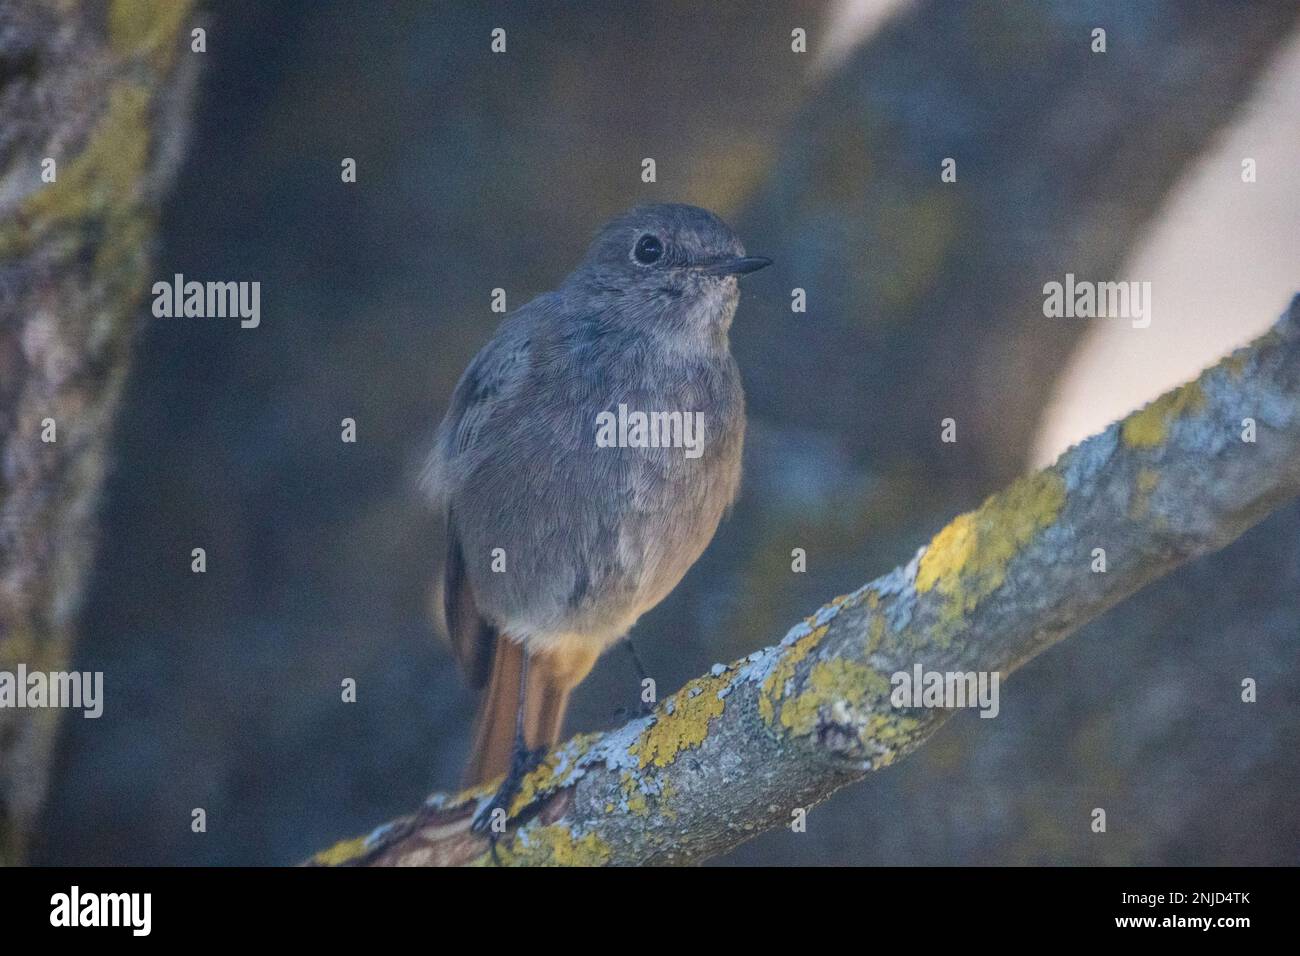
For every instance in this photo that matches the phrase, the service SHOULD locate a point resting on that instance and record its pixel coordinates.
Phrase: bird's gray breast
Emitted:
(604, 481)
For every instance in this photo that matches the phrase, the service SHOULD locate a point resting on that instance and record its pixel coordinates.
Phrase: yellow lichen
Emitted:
(632, 795)
(102, 182)
(681, 721)
(875, 632)
(103, 179)
(666, 792)
(553, 845)
(476, 792)
(639, 801)
(889, 728)
(20, 645)
(967, 560)
(1147, 479)
(774, 685)
(150, 29)
(1150, 426)
(536, 782)
(830, 682)
(341, 852)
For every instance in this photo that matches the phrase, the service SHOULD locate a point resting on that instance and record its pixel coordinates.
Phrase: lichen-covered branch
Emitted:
(735, 751)
(92, 104)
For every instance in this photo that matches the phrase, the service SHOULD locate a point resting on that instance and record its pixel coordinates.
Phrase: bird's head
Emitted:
(670, 264)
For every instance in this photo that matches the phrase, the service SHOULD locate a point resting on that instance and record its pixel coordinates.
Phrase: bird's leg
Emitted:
(522, 760)
(642, 675)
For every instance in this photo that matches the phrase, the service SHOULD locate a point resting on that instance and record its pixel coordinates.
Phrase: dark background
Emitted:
(477, 171)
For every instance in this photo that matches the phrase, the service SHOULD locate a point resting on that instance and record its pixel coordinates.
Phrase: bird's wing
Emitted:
(470, 636)
(496, 373)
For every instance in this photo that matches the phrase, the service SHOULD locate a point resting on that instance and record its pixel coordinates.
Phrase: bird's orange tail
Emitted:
(551, 676)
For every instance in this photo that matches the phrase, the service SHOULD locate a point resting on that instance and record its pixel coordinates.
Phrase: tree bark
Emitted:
(100, 89)
(737, 750)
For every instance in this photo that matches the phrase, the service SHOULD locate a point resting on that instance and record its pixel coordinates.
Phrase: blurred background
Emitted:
(477, 171)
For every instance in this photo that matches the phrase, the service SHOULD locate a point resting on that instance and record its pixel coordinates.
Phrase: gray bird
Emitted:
(557, 542)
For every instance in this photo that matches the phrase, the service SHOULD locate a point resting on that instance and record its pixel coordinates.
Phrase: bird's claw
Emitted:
(521, 764)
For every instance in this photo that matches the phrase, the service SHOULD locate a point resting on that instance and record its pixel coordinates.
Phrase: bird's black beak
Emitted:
(738, 267)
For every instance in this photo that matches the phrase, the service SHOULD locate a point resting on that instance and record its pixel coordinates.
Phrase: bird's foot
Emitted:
(495, 815)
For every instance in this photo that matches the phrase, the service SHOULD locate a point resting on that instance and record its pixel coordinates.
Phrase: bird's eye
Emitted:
(648, 249)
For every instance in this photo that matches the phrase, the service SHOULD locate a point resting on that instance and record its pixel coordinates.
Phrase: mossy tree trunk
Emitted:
(92, 104)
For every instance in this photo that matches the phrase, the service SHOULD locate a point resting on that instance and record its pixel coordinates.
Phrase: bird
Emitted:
(588, 454)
